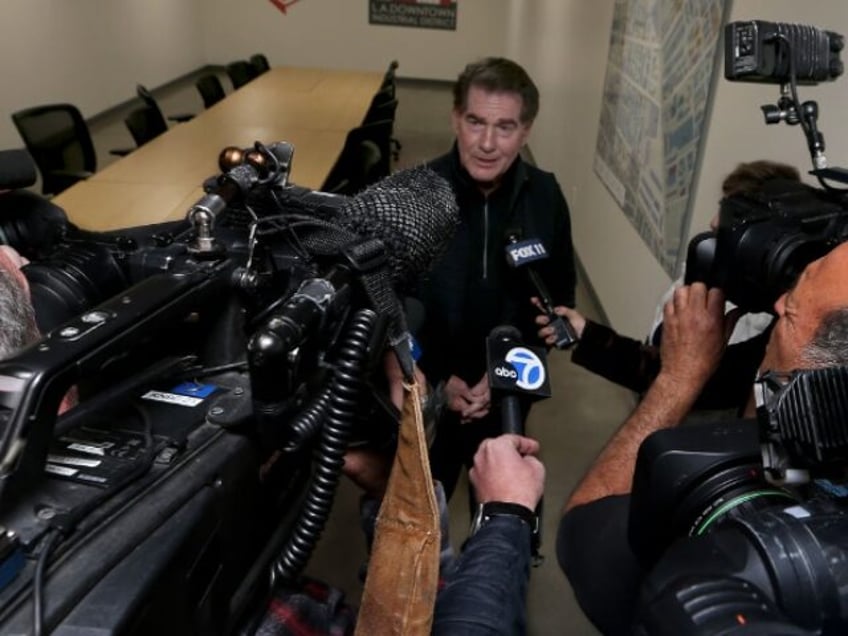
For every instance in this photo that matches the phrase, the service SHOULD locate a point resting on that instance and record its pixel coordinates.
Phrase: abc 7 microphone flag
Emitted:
(518, 369)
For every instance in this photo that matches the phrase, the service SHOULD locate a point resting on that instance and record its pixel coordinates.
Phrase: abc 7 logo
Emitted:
(525, 368)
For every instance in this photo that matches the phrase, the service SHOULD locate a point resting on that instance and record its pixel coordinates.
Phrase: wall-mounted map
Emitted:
(658, 80)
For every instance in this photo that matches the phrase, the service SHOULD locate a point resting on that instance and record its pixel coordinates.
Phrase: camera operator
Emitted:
(811, 330)
(634, 364)
(17, 317)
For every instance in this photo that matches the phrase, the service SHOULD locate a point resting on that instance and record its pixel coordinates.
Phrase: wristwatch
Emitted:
(485, 511)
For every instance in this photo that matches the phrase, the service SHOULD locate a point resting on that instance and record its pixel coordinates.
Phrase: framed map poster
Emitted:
(660, 72)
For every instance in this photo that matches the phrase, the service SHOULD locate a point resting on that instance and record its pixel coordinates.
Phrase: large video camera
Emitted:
(223, 364)
(765, 239)
(743, 526)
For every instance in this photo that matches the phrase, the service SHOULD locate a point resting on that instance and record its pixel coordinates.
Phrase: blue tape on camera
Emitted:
(415, 348)
(194, 389)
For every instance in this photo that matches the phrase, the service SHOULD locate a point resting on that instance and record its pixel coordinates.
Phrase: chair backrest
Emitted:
(57, 137)
(240, 72)
(358, 166)
(144, 124)
(259, 63)
(357, 163)
(155, 116)
(380, 109)
(210, 88)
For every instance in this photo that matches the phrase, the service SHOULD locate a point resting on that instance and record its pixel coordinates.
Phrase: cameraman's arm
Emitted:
(485, 593)
(694, 338)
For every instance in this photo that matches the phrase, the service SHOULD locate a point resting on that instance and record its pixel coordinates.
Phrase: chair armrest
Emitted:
(121, 152)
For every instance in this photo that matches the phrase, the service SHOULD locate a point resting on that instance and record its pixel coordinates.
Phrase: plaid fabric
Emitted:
(313, 609)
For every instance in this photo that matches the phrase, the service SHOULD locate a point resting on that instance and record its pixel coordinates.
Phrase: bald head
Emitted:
(812, 317)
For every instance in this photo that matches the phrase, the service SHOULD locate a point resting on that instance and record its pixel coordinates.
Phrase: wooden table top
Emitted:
(310, 108)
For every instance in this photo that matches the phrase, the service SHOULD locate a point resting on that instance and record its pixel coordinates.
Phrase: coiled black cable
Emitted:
(307, 423)
(346, 387)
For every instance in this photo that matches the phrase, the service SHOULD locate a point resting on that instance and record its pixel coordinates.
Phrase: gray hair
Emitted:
(829, 345)
(17, 318)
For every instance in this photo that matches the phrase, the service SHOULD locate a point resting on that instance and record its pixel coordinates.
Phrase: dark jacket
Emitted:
(472, 288)
(634, 365)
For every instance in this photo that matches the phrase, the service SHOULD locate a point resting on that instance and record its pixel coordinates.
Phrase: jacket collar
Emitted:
(513, 180)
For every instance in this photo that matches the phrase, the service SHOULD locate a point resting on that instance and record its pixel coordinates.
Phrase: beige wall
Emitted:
(564, 44)
(336, 34)
(91, 52)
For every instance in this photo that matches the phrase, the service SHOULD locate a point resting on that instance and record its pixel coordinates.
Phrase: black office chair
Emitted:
(58, 138)
(383, 107)
(358, 164)
(211, 90)
(259, 63)
(147, 97)
(240, 73)
(357, 167)
(145, 124)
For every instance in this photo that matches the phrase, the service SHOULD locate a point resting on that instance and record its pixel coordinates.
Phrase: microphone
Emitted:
(17, 169)
(520, 254)
(514, 369)
(413, 212)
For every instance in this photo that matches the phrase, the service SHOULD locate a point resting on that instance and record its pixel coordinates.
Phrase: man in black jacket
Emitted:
(473, 289)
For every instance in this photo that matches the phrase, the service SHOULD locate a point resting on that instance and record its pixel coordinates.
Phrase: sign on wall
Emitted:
(658, 82)
(423, 14)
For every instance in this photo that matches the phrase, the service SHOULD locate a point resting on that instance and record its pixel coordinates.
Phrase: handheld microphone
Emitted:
(520, 254)
(514, 369)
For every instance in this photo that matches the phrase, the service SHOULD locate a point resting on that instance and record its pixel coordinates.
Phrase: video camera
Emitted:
(223, 364)
(743, 526)
(766, 238)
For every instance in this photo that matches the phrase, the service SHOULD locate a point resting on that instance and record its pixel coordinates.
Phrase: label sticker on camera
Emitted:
(172, 398)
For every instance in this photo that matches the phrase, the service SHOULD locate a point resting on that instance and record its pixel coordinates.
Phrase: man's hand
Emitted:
(506, 469)
(470, 402)
(694, 335)
(546, 333)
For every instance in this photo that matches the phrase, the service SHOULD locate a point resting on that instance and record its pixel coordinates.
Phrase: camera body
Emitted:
(218, 391)
(765, 239)
(750, 517)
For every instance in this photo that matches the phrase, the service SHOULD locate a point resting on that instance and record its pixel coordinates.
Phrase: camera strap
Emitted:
(400, 589)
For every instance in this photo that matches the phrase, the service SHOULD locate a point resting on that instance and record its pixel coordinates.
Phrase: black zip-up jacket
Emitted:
(472, 288)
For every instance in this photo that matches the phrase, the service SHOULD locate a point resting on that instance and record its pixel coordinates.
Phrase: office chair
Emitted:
(211, 90)
(259, 63)
(147, 97)
(145, 123)
(240, 73)
(358, 165)
(383, 107)
(58, 138)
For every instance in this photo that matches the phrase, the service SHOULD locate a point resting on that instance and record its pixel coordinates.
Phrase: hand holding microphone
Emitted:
(520, 254)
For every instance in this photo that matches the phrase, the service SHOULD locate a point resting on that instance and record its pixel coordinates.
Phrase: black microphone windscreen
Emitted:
(17, 169)
(413, 212)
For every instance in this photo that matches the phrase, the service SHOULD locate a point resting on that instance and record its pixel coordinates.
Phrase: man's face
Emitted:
(489, 135)
(821, 288)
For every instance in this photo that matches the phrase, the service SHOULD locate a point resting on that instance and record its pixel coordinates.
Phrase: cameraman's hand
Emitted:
(506, 469)
(546, 333)
(695, 333)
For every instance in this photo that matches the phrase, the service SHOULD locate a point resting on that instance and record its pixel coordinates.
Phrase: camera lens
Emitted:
(731, 492)
(72, 280)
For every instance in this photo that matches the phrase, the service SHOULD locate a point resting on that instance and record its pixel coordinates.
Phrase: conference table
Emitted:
(313, 109)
